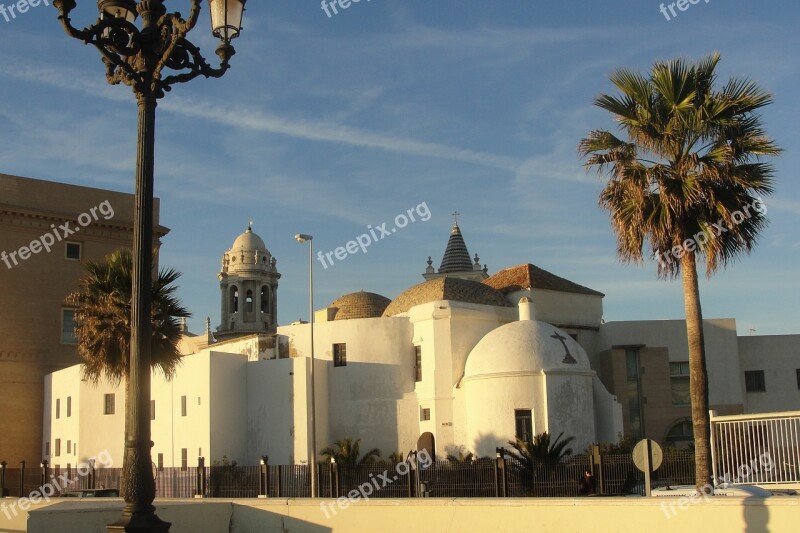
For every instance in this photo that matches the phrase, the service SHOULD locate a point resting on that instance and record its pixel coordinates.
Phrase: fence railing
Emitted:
(482, 478)
(758, 448)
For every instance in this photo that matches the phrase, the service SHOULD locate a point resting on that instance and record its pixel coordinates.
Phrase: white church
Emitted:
(462, 360)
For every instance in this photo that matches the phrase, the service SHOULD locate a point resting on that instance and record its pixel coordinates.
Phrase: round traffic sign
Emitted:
(656, 454)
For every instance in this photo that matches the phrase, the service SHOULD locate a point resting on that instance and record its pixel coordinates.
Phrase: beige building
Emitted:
(47, 230)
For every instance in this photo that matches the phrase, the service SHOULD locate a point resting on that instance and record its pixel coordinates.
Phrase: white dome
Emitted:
(248, 241)
(525, 346)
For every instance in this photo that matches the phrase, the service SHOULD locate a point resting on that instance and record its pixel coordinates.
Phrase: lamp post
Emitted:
(149, 59)
(303, 238)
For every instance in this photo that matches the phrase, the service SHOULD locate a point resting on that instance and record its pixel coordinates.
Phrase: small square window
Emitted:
(754, 381)
(68, 327)
(424, 414)
(110, 406)
(73, 251)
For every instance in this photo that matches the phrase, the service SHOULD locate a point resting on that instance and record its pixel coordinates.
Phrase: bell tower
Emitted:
(248, 282)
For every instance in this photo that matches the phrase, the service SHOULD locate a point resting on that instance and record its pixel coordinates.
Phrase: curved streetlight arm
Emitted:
(136, 57)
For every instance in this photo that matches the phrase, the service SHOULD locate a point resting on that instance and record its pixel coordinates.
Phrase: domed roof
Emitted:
(447, 288)
(248, 241)
(525, 346)
(360, 305)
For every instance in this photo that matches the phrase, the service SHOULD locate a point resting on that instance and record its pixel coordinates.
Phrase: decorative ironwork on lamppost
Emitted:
(149, 58)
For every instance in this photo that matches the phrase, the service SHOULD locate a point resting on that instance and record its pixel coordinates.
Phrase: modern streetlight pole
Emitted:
(302, 238)
(150, 60)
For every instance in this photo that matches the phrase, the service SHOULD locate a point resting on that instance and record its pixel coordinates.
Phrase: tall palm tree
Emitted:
(684, 183)
(103, 318)
(347, 452)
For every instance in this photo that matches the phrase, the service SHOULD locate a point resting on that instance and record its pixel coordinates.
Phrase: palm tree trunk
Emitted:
(698, 375)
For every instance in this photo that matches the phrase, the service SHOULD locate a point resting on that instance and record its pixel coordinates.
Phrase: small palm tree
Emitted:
(685, 180)
(347, 452)
(103, 318)
(541, 449)
(460, 455)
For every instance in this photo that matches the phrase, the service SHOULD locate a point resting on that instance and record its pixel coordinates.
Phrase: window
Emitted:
(69, 446)
(681, 434)
(73, 251)
(798, 379)
(184, 458)
(340, 354)
(47, 448)
(424, 414)
(418, 363)
(634, 393)
(264, 299)
(58, 447)
(152, 409)
(69, 406)
(754, 381)
(68, 326)
(58, 408)
(679, 382)
(161, 461)
(109, 404)
(523, 424)
(248, 302)
(183, 405)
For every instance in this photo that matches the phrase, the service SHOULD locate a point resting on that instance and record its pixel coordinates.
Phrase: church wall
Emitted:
(362, 397)
(227, 406)
(570, 408)
(271, 423)
(490, 404)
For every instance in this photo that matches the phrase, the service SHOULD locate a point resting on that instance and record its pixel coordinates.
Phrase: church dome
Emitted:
(525, 346)
(359, 305)
(447, 288)
(248, 241)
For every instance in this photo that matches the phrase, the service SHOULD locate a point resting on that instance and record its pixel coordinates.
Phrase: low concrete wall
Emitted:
(440, 515)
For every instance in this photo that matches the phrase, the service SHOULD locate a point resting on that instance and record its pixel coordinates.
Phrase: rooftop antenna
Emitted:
(752, 330)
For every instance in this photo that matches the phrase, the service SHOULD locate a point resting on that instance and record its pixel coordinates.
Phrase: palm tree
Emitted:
(460, 455)
(684, 181)
(103, 318)
(535, 459)
(541, 448)
(347, 452)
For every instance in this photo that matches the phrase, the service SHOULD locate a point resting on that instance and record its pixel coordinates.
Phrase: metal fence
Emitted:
(483, 478)
(760, 448)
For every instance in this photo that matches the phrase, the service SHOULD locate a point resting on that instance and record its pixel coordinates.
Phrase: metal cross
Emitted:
(568, 359)
(455, 216)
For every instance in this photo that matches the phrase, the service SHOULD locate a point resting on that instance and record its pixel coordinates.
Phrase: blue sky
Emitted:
(328, 125)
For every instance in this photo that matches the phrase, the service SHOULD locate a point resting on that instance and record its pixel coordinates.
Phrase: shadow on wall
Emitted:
(756, 515)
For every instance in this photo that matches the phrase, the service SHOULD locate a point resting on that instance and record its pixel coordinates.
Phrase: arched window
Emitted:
(681, 434)
(265, 299)
(234, 299)
(249, 302)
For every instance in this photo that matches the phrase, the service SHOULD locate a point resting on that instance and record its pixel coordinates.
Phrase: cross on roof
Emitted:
(568, 359)
(455, 216)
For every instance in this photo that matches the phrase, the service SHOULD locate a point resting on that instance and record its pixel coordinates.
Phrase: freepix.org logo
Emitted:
(20, 7)
(58, 234)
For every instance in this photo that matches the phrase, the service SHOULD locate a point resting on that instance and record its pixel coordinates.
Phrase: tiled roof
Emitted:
(456, 257)
(447, 288)
(529, 276)
(360, 305)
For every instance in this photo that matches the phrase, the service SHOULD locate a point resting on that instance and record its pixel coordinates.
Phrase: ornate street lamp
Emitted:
(150, 59)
